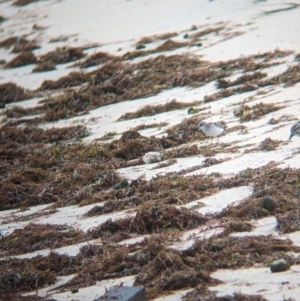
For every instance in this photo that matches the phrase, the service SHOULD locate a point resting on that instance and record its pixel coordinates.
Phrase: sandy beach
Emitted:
(106, 178)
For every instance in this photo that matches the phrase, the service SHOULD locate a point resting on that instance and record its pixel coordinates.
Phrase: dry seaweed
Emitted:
(154, 219)
(247, 113)
(19, 44)
(235, 252)
(37, 237)
(211, 296)
(74, 172)
(289, 222)
(20, 297)
(115, 205)
(240, 226)
(107, 136)
(96, 59)
(169, 271)
(86, 169)
(18, 111)
(117, 81)
(65, 105)
(23, 2)
(168, 45)
(153, 110)
(268, 144)
(10, 92)
(62, 55)
(70, 80)
(35, 173)
(206, 31)
(186, 131)
(33, 134)
(22, 59)
(164, 36)
(223, 83)
(44, 66)
(157, 218)
(149, 126)
(182, 152)
(37, 272)
(160, 269)
(268, 181)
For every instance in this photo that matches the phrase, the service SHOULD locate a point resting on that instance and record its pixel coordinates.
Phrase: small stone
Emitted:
(279, 266)
(74, 290)
(191, 110)
(186, 36)
(140, 46)
(201, 187)
(122, 184)
(267, 203)
(152, 157)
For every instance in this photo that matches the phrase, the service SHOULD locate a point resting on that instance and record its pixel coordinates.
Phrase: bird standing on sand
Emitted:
(295, 130)
(212, 129)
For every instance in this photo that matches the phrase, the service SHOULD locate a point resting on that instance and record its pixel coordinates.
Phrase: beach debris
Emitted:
(269, 144)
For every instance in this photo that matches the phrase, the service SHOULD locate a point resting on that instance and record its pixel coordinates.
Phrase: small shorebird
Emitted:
(212, 129)
(295, 130)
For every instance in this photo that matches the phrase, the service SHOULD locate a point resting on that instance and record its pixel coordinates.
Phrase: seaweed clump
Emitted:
(148, 220)
(19, 44)
(23, 2)
(33, 134)
(168, 45)
(268, 182)
(10, 92)
(211, 296)
(153, 110)
(37, 237)
(21, 275)
(269, 144)
(70, 80)
(96, 59)
(117, 81)
(44, 66)
(289, 222)
(62, 55)
(247, 113)
(23, 59)
(50, 173)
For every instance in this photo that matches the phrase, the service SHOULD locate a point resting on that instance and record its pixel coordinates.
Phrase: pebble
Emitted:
(279, 266)
(152, 157)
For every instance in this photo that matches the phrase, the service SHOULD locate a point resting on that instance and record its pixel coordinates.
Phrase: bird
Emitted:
(212, 129)
(295, 130)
